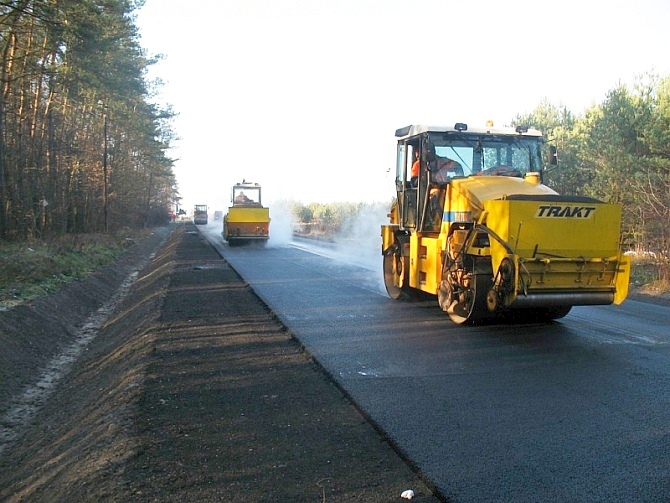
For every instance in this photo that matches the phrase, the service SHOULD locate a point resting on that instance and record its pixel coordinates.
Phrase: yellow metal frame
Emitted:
(559, 247)
(565, 250)
(247, 222)
(241, 214)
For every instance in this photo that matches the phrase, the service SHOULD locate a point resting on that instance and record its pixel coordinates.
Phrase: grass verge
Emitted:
(31, 269)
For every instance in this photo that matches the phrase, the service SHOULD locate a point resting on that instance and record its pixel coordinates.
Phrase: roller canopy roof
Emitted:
(411, 131)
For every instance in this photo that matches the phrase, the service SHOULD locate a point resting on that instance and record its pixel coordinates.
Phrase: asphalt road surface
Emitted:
(577, 410)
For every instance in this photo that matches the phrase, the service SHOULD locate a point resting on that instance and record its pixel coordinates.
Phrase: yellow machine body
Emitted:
(502, 242)
(247, 219)
(560, 248)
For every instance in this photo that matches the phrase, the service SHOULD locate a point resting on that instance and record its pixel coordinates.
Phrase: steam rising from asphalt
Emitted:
(359, 241)
(281, 224)
(361, 236)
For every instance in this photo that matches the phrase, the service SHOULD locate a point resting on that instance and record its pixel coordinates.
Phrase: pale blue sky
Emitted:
(304, 96)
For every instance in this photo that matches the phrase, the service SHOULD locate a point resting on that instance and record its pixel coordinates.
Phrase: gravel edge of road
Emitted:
(48, 463)
(23, 355)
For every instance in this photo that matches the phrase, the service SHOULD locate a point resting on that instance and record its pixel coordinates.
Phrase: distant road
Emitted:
(573, 411)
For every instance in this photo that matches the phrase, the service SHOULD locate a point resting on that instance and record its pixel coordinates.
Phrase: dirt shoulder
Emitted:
(659, 298)
(191, 391)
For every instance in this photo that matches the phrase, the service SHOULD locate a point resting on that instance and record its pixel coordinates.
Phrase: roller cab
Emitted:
(247, 219)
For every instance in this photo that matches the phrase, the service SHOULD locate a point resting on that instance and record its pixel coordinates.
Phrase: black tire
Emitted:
(396, 276)
(471, 309)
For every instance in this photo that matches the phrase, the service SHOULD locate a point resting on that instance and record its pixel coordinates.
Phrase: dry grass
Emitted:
(31, 269)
